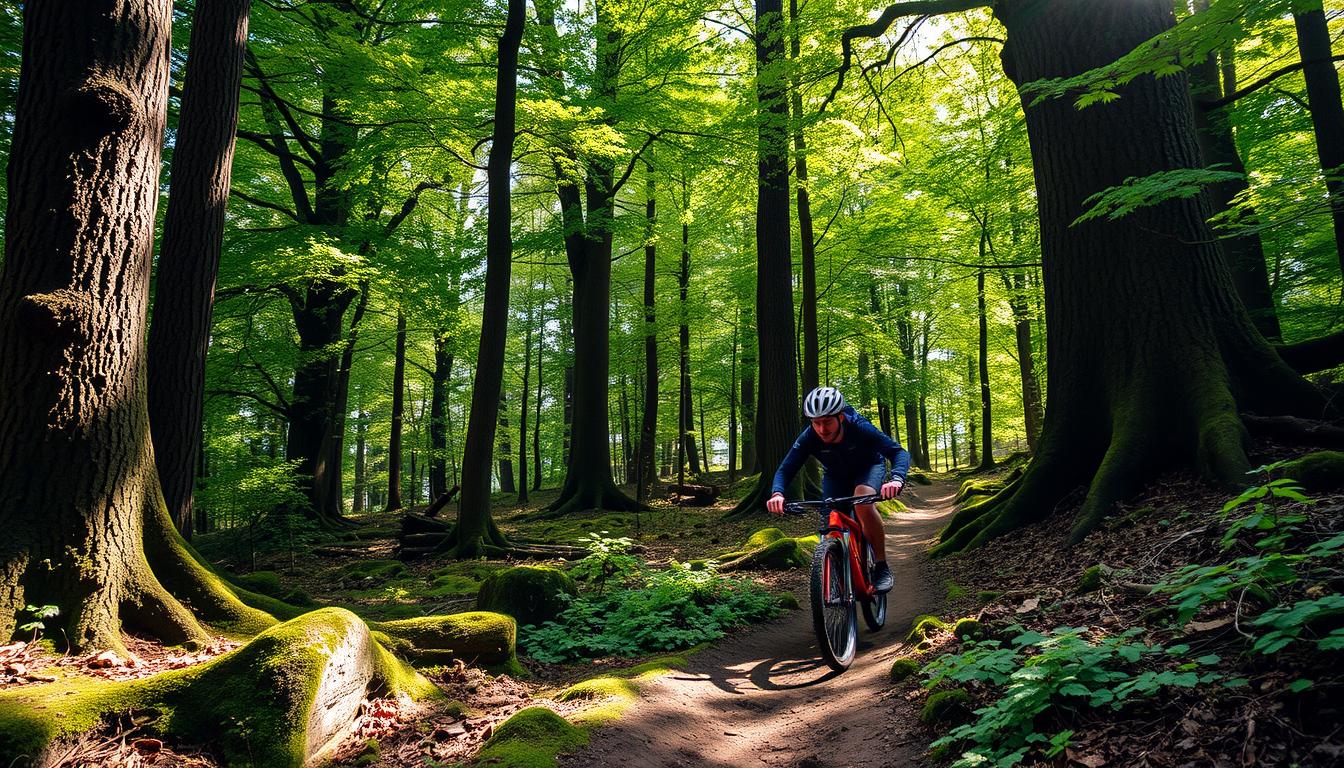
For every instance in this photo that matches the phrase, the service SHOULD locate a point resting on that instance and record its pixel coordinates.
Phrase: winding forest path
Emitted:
(765, 698)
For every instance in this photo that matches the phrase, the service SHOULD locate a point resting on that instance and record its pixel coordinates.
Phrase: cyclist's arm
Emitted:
(793, 461)
(896, 456)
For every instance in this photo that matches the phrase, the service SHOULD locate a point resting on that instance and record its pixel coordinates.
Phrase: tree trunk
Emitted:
(361, 432)
(1032, 405)
(476, 531)
(506, 483)
(774, 284)
(398, 413)
(806, 241)
(971, 408)
(438, 417)
(986, 420)
(82, 507)
(536, 425)
(880, 374)
(1327, 110)
(1244, 252)
(193, 234)
(522, 411)
(648, 423)
(749, 346)
(685, 416)
(1120, 412)
(732, 407)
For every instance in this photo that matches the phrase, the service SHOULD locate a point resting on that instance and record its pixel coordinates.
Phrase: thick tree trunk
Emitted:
(648, 423)
(1121, 411)
(1327, 109)
(398, 416)
(476, 531)
(806, 241)
(81, 503)
(1032, 405)
(193, 234)
(777, 345)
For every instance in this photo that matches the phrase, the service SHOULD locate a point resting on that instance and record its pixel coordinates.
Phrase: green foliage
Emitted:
(902, 669)
(39, 614)
(673, 608)
(608, 559)
(1119, 201)
(944, 705)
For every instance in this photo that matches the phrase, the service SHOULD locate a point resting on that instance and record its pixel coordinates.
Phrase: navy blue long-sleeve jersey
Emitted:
(861, 445)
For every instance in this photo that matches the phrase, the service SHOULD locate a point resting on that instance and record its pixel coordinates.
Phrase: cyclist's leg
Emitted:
(869, 483)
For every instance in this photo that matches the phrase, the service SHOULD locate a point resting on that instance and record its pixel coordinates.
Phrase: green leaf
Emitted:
(1300, 685)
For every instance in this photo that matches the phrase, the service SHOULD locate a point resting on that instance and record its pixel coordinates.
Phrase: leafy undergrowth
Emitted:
(1193, 629)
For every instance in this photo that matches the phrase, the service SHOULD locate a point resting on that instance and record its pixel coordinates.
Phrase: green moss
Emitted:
(1090, 581)
(902, 669)
(371, 570)
(265, 582)
(448, 586)
(987, 595)
(918, 477)
(530, 594)
(658, 666)
(944, 705)
(788, 602)
(369, 755)
(531, 739)
(476, 637)
(761, 538)
(1319, 471)
(923, 626)
(891, 507)
(476, 570)
(968, 629)
(255, 704)
(616, 694)
(954, 591)
(809, 543)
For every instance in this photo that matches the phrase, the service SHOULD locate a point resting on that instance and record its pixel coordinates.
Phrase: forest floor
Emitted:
(761, 696)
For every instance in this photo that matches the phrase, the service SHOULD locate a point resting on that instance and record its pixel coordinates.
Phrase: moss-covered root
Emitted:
(611, 697)
(475, 637)
(278, 701)
(531, 739)
(1316, 472)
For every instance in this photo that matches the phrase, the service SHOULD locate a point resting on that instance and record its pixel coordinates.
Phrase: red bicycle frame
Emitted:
(840, 526)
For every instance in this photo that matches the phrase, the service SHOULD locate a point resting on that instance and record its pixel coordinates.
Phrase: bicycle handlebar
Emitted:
(803, 506)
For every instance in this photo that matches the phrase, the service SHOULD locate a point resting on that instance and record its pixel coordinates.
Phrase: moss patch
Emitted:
(923, 626)
(1318, 471)
(530, 594)
(902, 669)
(476, 637)
(945, 705)
(1090, 581)
(531, 739)
(788, 602)
(891, 507)
(264, 582)
(763, 537)
(968, 629)
(371, 570)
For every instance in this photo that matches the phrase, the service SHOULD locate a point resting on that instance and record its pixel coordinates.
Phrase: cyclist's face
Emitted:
(828, 428)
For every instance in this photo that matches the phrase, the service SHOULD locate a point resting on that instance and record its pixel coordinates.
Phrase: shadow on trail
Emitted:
(763, 675)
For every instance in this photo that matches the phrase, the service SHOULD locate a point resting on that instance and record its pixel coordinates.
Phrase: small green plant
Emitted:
(40, 614)
(608, 559)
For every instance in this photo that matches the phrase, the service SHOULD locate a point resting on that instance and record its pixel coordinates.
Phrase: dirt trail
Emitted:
(765, 698)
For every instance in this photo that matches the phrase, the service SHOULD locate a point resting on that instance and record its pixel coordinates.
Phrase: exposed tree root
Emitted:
(605, 495)
(1296, 430)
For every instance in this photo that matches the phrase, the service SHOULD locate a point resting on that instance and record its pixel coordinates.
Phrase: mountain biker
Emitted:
(852, 451)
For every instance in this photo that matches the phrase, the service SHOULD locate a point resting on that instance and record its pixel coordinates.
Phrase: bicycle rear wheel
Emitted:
(834, 618)
(874, 609)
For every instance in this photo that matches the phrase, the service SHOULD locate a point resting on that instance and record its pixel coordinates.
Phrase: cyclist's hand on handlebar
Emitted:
(891, 489)
(775, 505)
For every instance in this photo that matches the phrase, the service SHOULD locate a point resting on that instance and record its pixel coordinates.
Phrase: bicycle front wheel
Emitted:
(834, 618)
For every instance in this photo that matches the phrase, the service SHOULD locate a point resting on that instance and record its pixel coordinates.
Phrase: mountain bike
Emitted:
(842, 569)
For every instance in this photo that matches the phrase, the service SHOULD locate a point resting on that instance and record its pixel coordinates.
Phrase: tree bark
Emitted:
(648, 423)
(193, 234)
(1327, 109)
(749, 346)
(685, 415)
(82, 507)
(971, 408)
(1121, 411)
(438, 417)
(506, 483)
(398, 415)
(986, 415)
(522, 411)
(806, 240)
(476, 531)
(777, 344)
(361, 432)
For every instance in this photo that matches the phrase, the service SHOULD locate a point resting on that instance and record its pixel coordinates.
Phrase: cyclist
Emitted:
(852, 451)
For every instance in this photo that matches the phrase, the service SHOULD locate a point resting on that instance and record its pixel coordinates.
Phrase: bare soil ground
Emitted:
(765, 698)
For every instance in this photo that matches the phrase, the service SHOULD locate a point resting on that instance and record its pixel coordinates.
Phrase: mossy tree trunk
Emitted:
(76, 461)
(1327, 107)
(1181, 356)
(193, 234)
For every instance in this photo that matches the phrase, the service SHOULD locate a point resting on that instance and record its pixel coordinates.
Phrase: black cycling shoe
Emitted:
(882, 580)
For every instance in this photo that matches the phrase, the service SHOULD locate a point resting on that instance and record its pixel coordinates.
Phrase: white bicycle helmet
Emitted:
(823, 401)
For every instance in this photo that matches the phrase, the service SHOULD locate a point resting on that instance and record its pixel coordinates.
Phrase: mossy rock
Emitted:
(600, 688)
(788, 602)
(531, 738)
(1317, 472)
(902, 669)
(475, 637)
(778, 555)
(371, 570)
(531, 594)
(891, 507)
(264, 582)
(280, 700)
(1090, 581)
(976, 487)
(918, 477)
(945, 705)
(923, 626)
(968, 629)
